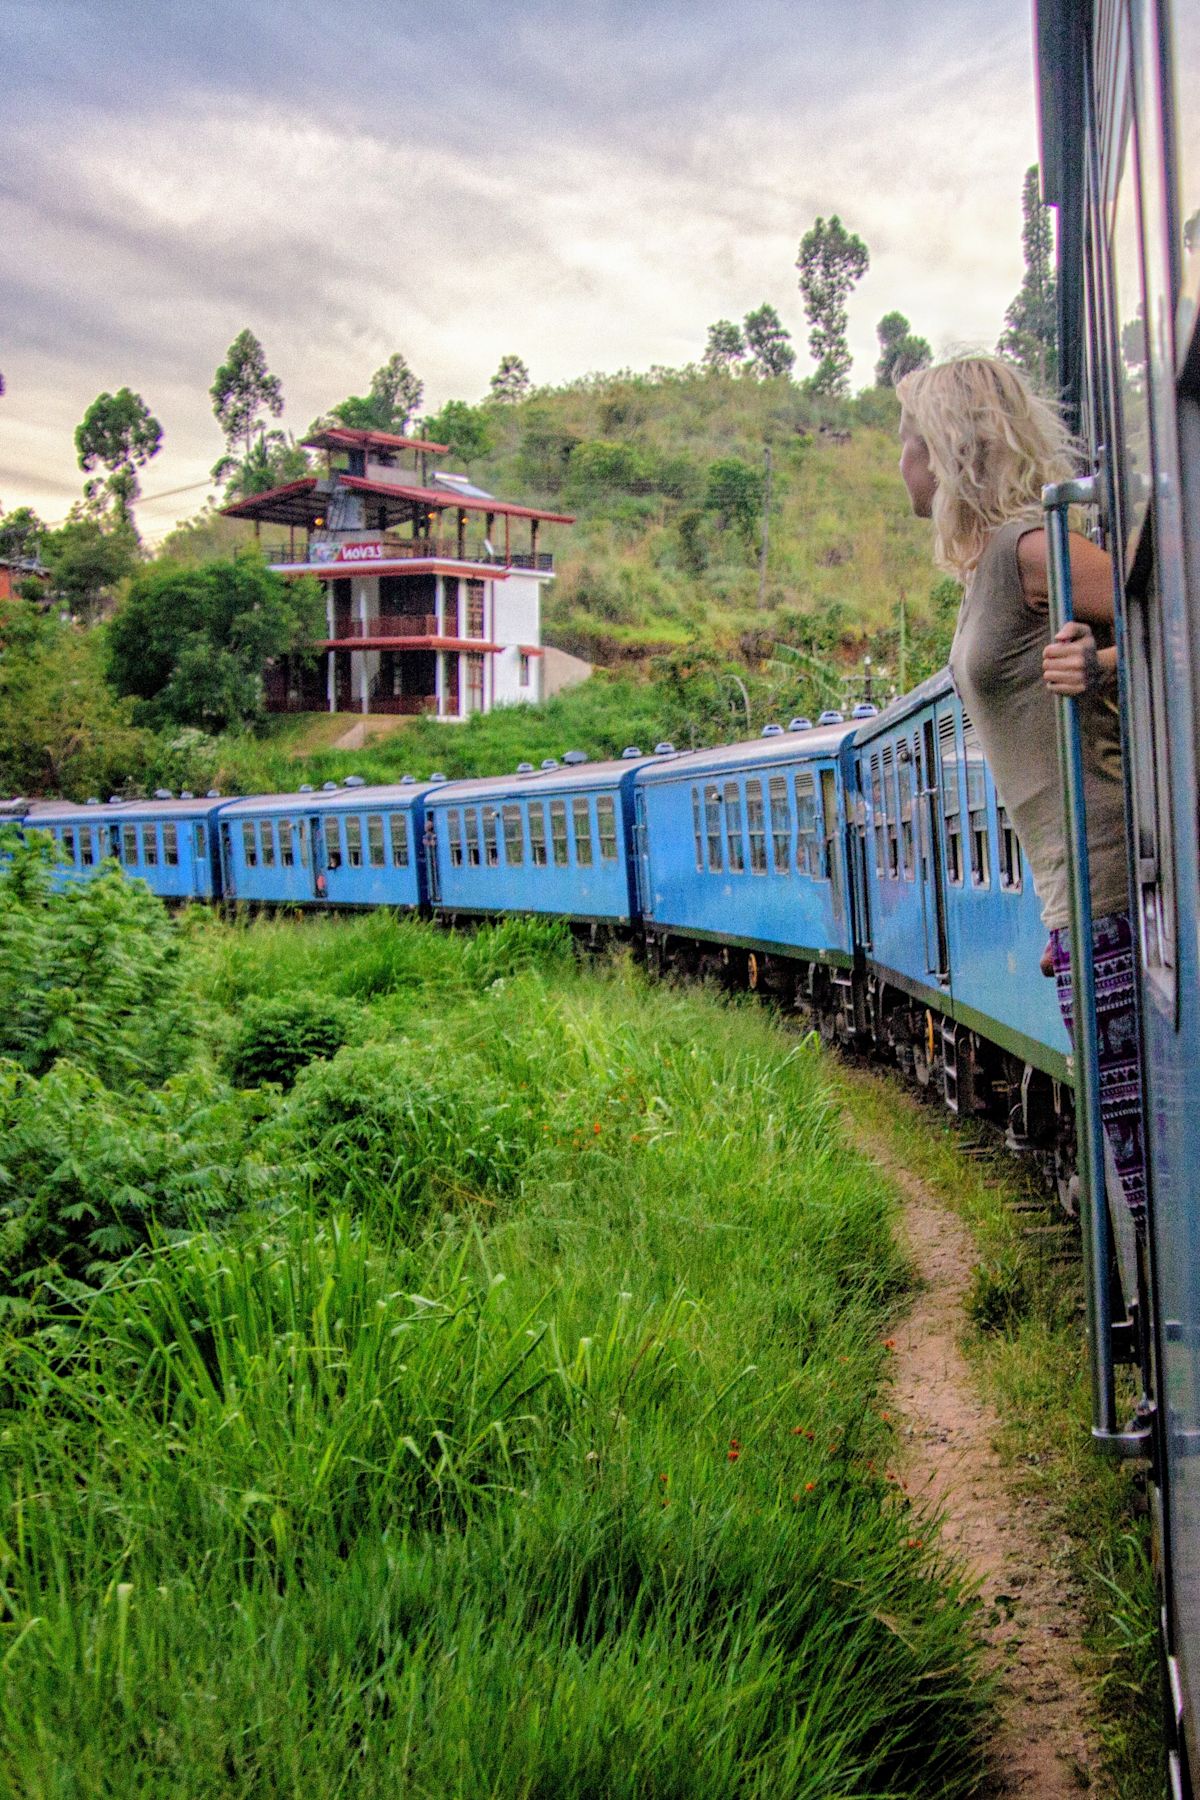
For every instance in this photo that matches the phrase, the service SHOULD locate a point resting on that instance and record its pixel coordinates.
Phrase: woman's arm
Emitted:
(1072, 664)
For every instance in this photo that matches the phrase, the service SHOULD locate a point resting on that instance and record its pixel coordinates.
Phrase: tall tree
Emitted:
(466, 430)
(275, 458)
(511, 380)
(243, 390)
(831, 260)
(21, 534)
(1030, 336)
(394, 396)
(87, 562)
(768, 343)
(119, 433)
(899, 351)
(726, 345)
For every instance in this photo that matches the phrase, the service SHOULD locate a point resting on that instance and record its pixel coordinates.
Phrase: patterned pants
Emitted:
(1116, 1036)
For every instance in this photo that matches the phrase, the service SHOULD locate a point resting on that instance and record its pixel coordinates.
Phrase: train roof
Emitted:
(575, 776)
(51, 812)
(934, 687)
(760, 752)
(339, 799)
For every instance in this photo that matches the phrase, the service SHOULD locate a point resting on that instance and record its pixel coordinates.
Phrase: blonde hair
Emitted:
(993, 445)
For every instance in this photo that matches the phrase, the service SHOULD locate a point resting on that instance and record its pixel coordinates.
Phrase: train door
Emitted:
(929, 857)
(228, 883)
(641, 858)
(831, 827)
(320, 857)
(433, 883)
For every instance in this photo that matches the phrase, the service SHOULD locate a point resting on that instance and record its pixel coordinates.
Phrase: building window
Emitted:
(474, 609)
(781, 824)
(537, 833)
(756, 828)
(558, 832)
(267, 836)
(514, 837)
(698, 826)
(977, 806)
(807, 861)
(733, 827)
(398, 831)
(1011, 878)
(491, 847)
(354, 842)
(287, 850)
(951, 798)
(454, 833)
(582, 815)
(376, 850)
(606, 822)
(474, 853)
(525, 669)
(474, 683)
(249, 844)
(712, 822)
(333, 841)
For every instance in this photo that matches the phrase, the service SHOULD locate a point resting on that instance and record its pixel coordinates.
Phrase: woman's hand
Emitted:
(1071, 664)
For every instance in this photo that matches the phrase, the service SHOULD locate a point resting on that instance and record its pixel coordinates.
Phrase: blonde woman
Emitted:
(977, 447)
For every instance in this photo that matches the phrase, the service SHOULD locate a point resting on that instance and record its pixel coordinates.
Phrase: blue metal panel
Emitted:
(357, 848)
(165, 843)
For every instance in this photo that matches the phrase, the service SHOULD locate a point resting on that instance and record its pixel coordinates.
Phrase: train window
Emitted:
(129, 854)
(287, 845)
(354, 854)
(492, 837)
(376, 848)
(1011, 879)
(398, 835)
(199, 842)
(249, 844)
(150, 846)
(87, 848)
(905, 770)
(302, 841)
(807, 860)
(977, 806)
(877, 811)
(891, 812)
(170, 839)
(68, 843)
(756, 827)
(558, 833)
(454, 834)
(733, 827)
(481, 837)
(514, 837)
(712, 828)
(333, 841)
(781, 824)
(266, 833)
(581, 814)
(951, 797)
(829, 820)
(698, 826)
(606, 824)
(1130, 370)
(537, 834)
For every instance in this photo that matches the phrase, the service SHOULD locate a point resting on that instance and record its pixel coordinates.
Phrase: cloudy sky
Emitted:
(587, 185)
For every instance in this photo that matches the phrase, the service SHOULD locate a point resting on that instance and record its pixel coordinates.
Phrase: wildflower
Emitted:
(734, 1444)
(809, 1486)
(889, 1343)
(596, 1129)
(886, 1417)
(832, 1448)
(662, 1478)
(916, 1543)
(795, 1499)
(733, 1455)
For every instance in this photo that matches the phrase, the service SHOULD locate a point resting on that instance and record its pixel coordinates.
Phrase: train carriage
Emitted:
(555, 840)
(169, 843)
(351, 846)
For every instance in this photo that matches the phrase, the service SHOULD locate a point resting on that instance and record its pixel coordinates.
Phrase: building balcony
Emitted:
(320, 555)
(386, 625)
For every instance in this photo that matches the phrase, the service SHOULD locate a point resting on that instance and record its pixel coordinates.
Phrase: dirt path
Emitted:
(1031, 1621)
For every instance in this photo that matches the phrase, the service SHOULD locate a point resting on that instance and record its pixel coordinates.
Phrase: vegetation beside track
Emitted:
(1026, 1341)
(487, 1405)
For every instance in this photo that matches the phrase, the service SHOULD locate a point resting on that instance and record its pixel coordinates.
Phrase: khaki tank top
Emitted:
(996, 662)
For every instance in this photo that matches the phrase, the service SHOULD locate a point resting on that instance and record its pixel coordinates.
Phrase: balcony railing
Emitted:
(387, 625)
(398, 549)
(407, 705)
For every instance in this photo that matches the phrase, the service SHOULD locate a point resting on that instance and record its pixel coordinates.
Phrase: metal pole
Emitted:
(1089, 1129)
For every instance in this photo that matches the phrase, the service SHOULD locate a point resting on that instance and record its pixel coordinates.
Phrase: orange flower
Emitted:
(734, 1444)
(809, 1486)
(662, 1478)
(596, 1128)
(889, 1343)
(733, 1455)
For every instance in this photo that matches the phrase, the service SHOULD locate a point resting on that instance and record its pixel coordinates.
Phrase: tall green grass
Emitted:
(536, 1456)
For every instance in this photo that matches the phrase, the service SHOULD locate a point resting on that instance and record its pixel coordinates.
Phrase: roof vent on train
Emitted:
(524, 768)
(800, 724)
(437, 776)
(163, 794)
(771, 731)
(116, 799)
(831, 716)
(864, 710)
(329, 787)
(186, 794)
(407, 780)
(574, 757)
(354, 781)
(306, 787)
(550, 762)
(213, 794)
(628, 751)
(664, 749)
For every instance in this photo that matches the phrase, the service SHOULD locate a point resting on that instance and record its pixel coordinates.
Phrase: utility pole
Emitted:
(766, 530)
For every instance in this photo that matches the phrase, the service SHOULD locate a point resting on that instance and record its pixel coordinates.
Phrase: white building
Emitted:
(429, 605)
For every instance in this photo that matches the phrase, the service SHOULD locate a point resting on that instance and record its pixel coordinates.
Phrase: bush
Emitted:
(278, 1038)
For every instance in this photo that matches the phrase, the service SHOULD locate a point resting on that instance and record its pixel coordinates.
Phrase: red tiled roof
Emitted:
(349, 437)
(444, 501)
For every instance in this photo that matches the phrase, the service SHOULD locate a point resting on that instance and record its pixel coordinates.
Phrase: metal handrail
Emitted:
(1089, 1126)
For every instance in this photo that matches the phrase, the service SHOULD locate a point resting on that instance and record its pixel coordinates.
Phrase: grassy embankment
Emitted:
(1027, 1345)
(486, 1407)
